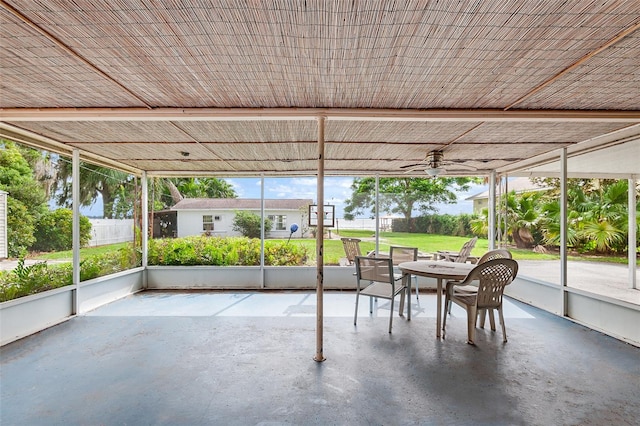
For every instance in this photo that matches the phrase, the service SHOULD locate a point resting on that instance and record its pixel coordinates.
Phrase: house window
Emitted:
(207, 222)
(279, 222)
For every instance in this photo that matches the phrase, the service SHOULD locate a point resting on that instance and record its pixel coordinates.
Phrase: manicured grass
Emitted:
(84, 252)
(426, 243)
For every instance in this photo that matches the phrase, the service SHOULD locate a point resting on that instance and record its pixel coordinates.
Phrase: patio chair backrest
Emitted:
(403, 254)
(351, 248)
(374, 269)
(495, 254)
(465, 251)
(493, 276)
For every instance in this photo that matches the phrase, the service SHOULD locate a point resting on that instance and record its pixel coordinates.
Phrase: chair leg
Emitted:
(482, 313)
(504, 330)
(415, 279)
(444, 323)
(355, 316)
(471, 324)
(391, 315)
(401, 310)
(447, 302)
(371, 305)
(492, 320)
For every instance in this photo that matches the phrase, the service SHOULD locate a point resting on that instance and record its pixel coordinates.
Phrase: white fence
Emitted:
(110, 231)
(368, 224)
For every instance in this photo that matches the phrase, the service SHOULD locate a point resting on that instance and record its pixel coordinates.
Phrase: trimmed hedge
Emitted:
(201, 250)
(223, 251)
(441, 224)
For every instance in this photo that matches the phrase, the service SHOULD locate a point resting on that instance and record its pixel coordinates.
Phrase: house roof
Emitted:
(517, 185)
(239, 203)
(183, 88)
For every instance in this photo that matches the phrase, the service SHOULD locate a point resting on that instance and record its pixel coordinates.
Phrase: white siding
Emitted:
(190, 222)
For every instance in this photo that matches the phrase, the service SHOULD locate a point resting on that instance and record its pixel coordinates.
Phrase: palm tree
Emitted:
(523, 218)
(112, 185)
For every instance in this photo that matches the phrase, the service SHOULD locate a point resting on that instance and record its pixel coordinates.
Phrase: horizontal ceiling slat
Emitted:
(183, 87)
(442, 55)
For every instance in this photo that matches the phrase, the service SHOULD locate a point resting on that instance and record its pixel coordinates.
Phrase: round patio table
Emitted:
(438, 269)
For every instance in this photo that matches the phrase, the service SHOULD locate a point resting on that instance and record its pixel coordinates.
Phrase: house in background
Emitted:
(214, 216)
(518, 185)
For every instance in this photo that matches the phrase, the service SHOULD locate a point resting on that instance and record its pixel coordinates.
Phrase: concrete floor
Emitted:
(211, 358)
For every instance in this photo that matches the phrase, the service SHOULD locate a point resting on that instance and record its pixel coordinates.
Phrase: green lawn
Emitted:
(84, 252)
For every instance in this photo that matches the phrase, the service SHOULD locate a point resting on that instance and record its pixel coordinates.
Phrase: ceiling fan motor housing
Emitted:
(435, 158)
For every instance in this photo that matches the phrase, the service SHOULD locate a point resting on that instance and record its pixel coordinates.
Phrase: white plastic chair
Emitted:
(493, 276)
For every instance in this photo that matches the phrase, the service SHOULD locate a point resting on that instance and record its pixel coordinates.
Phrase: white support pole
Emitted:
(145, 227)
(492, 210)
(377, 215)
(75, 229)
(563, 231)
(506, 210)
(633, 279)
(262, 231)
(319, 357)
(499, 215)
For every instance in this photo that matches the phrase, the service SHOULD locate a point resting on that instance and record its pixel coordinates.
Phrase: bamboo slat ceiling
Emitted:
(236, 88)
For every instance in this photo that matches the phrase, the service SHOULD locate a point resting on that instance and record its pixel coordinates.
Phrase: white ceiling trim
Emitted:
(271, 114)
(41, 142)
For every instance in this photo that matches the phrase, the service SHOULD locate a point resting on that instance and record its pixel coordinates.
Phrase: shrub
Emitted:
(20, 228)
(441, 224)
(25, 280)
(248, 224)
(54, 231)
(219, 251)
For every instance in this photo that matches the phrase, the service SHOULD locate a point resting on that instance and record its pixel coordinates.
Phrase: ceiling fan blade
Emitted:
(408, 166)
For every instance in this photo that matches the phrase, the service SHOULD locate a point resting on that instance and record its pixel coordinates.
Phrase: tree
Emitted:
(54, 231)
(26, 201)
(597, 214)
(169, 191)
(112, 185)
(403, 195)
(523, 218)
(248, 224)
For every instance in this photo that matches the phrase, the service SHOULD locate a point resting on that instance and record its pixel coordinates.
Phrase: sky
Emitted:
(336, 191)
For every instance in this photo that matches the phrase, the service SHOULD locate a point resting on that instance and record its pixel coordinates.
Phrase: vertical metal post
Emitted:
(506, 210)
(319, 357)
(499, 212)
(377, 215)
(492, 210)
(145, 228)
(633, 280)
(75, 229)
(262, 231)
(563, 231)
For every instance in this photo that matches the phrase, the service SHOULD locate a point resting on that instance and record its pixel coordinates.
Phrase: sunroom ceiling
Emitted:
(187, 88)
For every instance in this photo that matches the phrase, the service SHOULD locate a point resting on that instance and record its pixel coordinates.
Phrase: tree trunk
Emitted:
(522, 238)
(176, 196)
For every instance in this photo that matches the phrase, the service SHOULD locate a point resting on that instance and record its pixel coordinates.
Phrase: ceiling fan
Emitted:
(434, 164)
